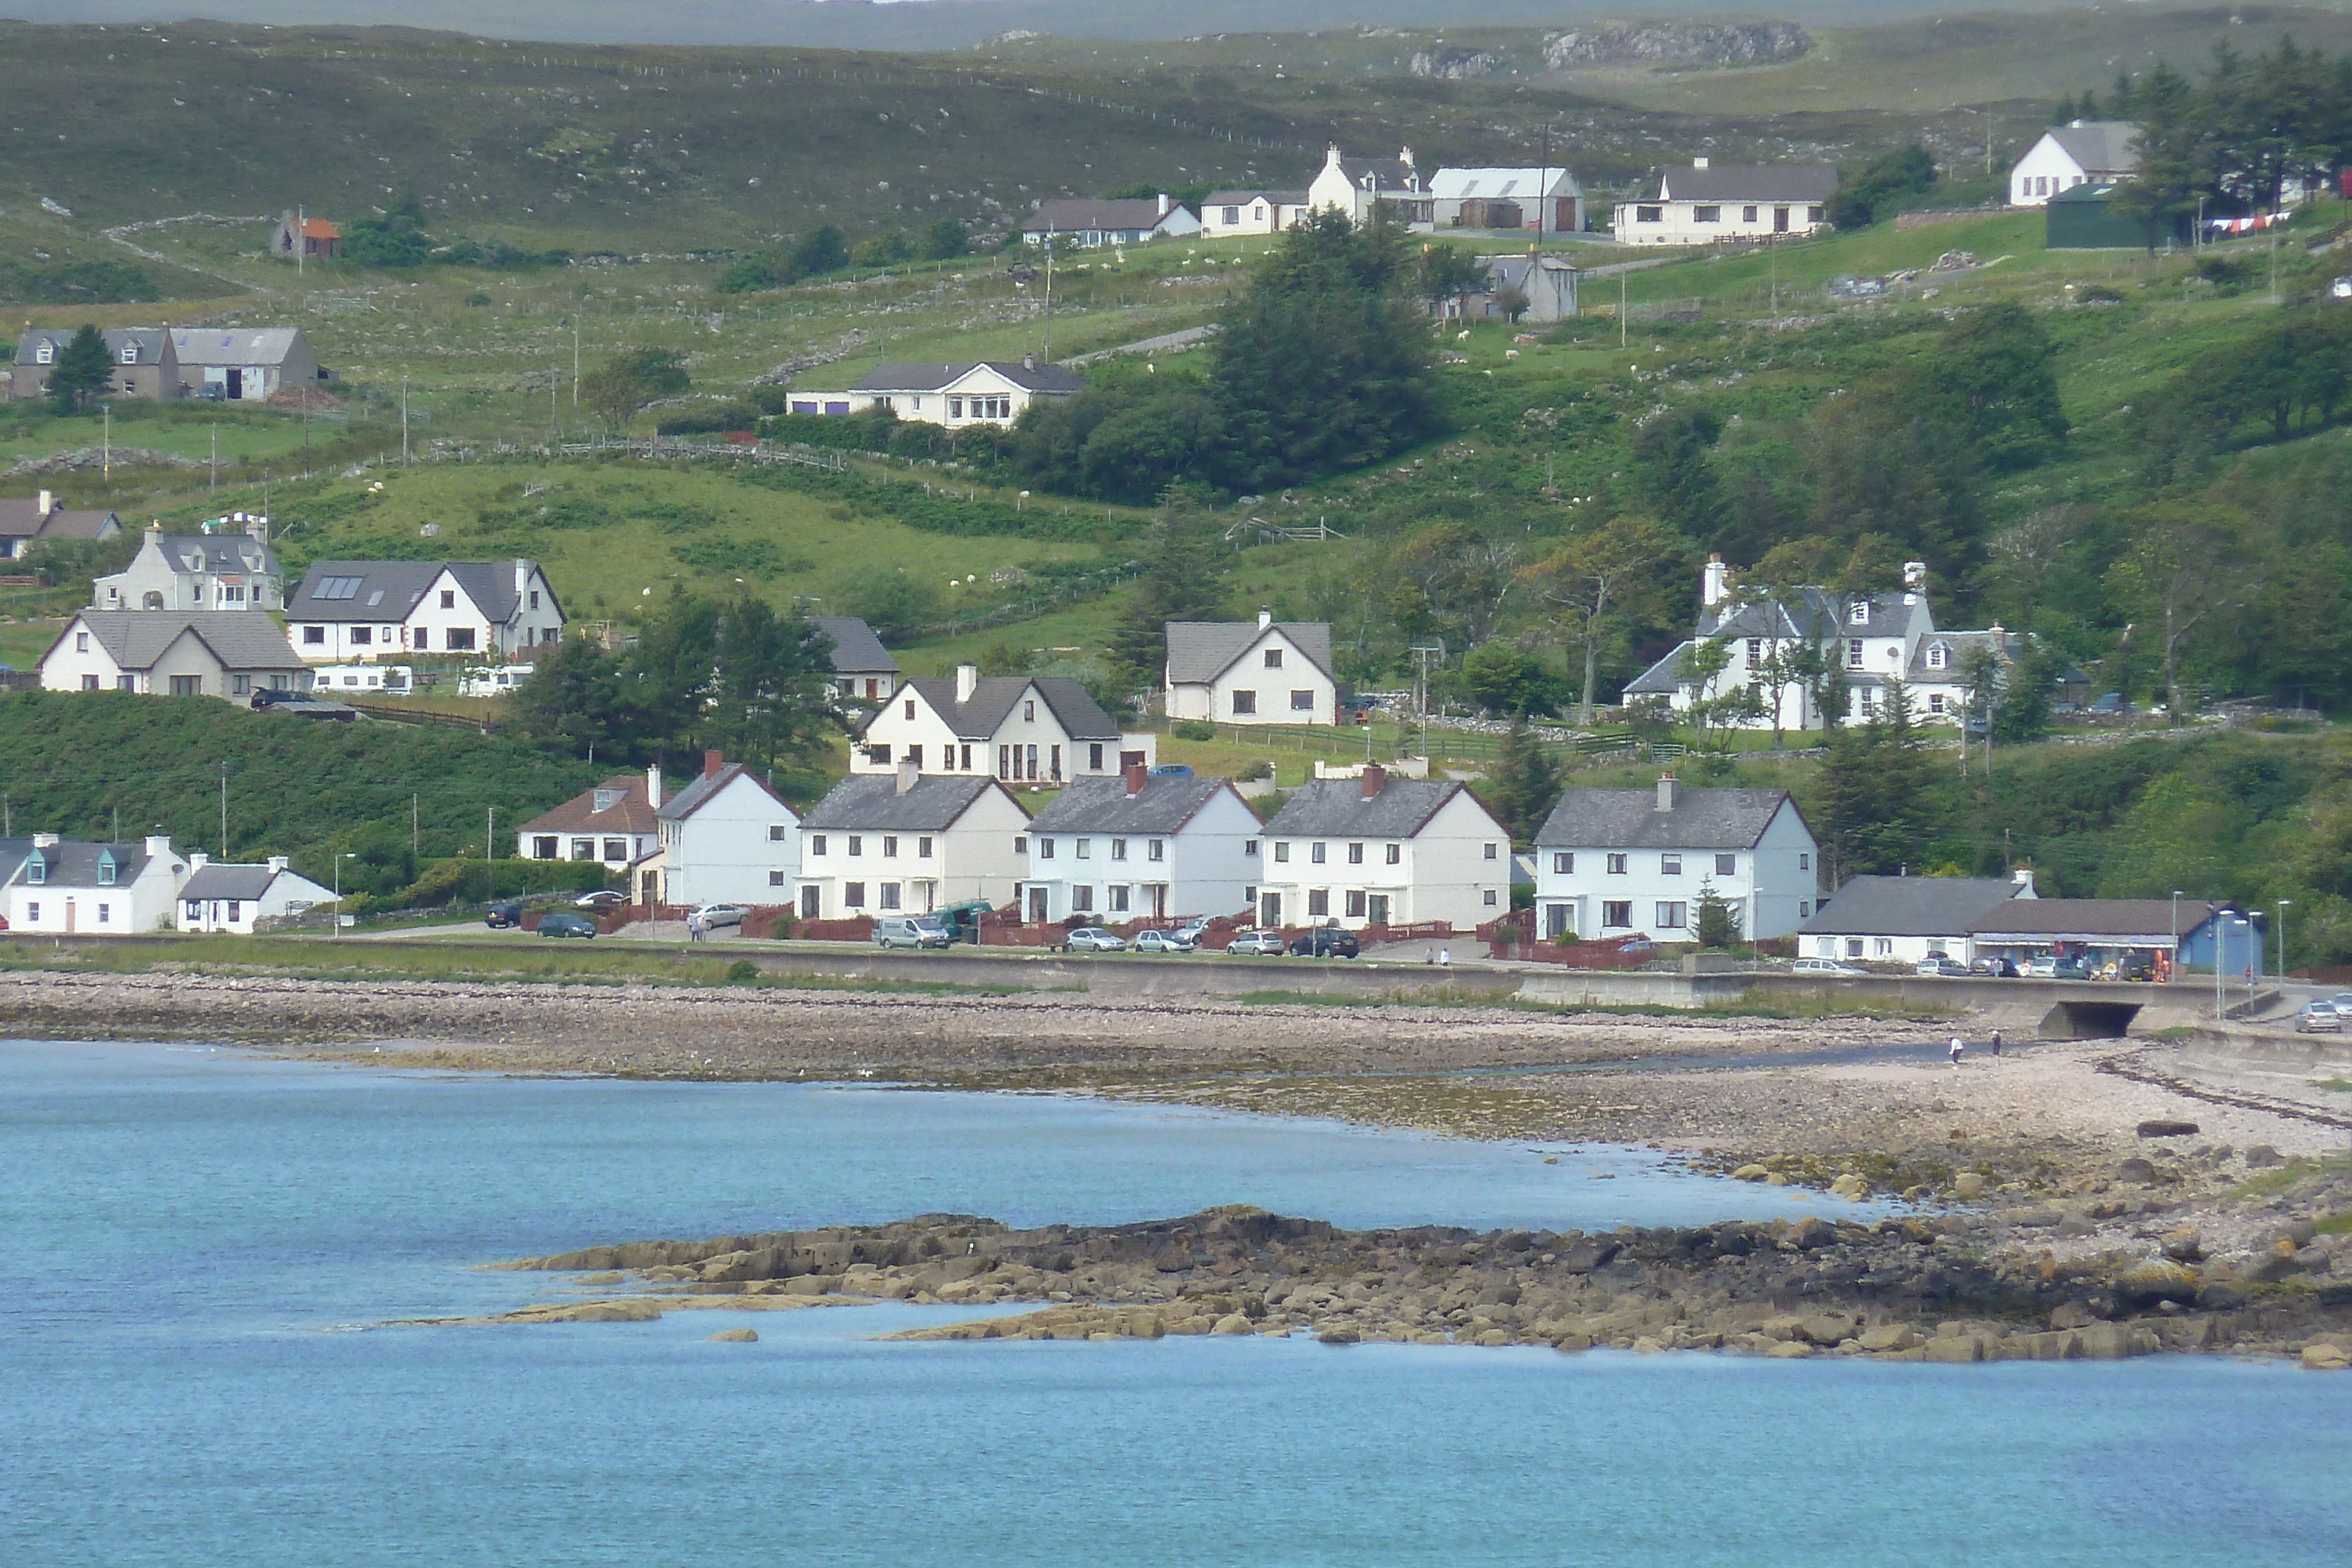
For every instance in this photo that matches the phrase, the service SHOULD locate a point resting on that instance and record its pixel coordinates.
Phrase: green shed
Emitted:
(2084, 218)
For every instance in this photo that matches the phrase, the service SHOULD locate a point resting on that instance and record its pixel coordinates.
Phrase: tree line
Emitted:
(2235, 142)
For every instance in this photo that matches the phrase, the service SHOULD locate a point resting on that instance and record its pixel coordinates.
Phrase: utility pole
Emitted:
(403, 419)
(224, 793)
(575, 363)
(490, 852)
(301, 244)
(1049, 300)
(1620, 309)
(411, 826)
(106, 428)
(211, 486)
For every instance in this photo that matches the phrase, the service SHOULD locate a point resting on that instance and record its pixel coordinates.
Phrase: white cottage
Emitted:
(1229, 213)
(905, 843)
(614, 823)
(1622, 862)
(66, 887)
(1709, 203)
(229, 653)
(1090, 223)
(1231, 672)
(1545, 201)
(1115, 849)
(1031, 729)
(726, 838)
(1904, 919)
(1357, 187)
(361, 611)
(2081, 152)
(220, 896)
(196, 571)
(1380, 851)
(953, 393)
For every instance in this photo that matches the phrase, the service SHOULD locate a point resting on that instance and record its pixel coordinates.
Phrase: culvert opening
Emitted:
(2089, 1021)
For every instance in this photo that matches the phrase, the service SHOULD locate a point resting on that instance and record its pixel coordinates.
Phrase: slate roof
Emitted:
(235, 345)
(1248, 198)
(1501, 185)
(135, 639)
(1080, 215)
(2099, 146)
(1200, 651)
(1749, 183)
(1630, 820)
(695, 796)
(935, 377)
(2061, 919)
(1336, 808)
(873, 803)
(74, 864)
(1908, 906)
(21, 517)
(632, 812)
(240, 881)
(390, 590)
(1104, 806)
(1512, 271)
(1388, 174)
(150, 342)
(857, 651)
(215, 553)
(1081, 718)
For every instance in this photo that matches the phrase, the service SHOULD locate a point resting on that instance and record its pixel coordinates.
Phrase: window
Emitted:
(460, 639)
(779, 832)
(853, 894)
(915, 758)
(1302, 702)
(1814, 214)
(32, 912)
(909, 709)
(1649, 215)
(1156, 850)
(1804, 909)
(1726, 865)
(1493, 899)
(1118, 895)
(1853, 654)
(1670, 914)
(1082, 898)
(1045, 849)
(534, 598)
(1319, 902)
(1029, 712)
(1281, 851)
(1316, 852)
(1938, 656)
(1748, 214)
(1274, 658)
(449, 598)
(1355, 904)
(1094, 756)
(1670, 865)
(967, 760)
(890, 846)
(1395, 855)
(583, 849)
(856, 844)
(1886, 946)
(1860, 613)
(1935, 702)
(361, 636)
(617, 849)
(1233, 215)
(1490, 852)
(955, 407)
(1707, 214)
(1244, 703)
(81, 641)
(1118, 849)
(889, 895)
(195, 910)
(338, 588)
(544, 847)
(1020, 843)
(121, 682)
(923, 849)
(106, 912)
(879, 756)
(240, 685)
(187, 685)
(775, 879)
(1616, 865)
(1355, 855)
(1249, 848)
(1804, 862)
(1854, 948)
(1004, 762)
(1563, 862)
(817, 844)
(46, 354)
(106, 871)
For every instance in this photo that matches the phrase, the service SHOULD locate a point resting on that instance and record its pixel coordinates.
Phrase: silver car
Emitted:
(1164, 942)
(2319, 1018)
(1094, 939)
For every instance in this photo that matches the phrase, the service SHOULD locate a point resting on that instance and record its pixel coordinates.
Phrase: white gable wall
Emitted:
(1274, 692)
(1208, 866)
(741, 846)
(1457, 869)
(2047, 169)
(977, 856)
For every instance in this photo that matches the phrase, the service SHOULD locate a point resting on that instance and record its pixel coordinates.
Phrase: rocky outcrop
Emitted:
(1455, 65)
(1677, 44)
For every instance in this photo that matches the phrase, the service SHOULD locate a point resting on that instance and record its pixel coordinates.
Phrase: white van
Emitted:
(1823, 966)
(492, 683)
(391, 680)
(910, 930)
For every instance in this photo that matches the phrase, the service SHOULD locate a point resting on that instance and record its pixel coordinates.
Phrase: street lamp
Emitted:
(2175, 964)
(2223, 922)
(340, 858)
(2282, 936)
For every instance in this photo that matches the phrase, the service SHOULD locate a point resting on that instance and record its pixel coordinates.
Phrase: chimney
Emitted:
(1331, 156)
(259, 528)
(1164, 203)
(1698, 162)
(277, 862)
(1716, 585)
(1028, 361)
(712, 762)
(1404, 156)
(44, 841)
(1264, 616)
(159, 845)
(653, 784)
(966, 682)
(1376, 779)
(1914, 575)
(48, 503)
(2023, 878)
(156, 525)
(1135, 773)
(198, 860)
(1670, 793)
(909, 777)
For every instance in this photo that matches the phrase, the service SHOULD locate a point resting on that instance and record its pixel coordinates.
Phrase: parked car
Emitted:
(1325, 942)
(716, 915)
(1994, 969)
(1171, 770)
(2341, 1001)
(2113, 702)
(1823, 966)
(1164, 942)
(1094, 939)
(1260, 943)
(911, 931)
(2069, 970)
(2041, 968)
(602, 898)
(563, 923)
(2318, 1018)
(503, 916)
(1936, 963)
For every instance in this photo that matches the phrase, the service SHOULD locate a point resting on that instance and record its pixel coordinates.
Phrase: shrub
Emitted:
(1194, 730)
(742, 972)
(1255, 768)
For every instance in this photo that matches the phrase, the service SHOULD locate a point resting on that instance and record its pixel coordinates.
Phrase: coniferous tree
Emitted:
(82, 370)
(1183, 579)
(1526, 784)
(1716, 923)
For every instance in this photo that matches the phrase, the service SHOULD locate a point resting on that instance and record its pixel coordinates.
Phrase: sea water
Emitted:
(183, 1230)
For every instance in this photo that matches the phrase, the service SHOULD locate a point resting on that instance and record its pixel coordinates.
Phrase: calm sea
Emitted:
(182, 1229)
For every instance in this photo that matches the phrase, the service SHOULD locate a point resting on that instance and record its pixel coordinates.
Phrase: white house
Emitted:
(196, 571)
(1135, 845)
(905, 842)
(219, 896)
(726, 838)
(1356, 187)
(29, 521)
(1620, 862)
(2082, 153)
(1876, 641)
(1377, 851)
(1709, 203)
(1091, 223)
(1033, 729)
(1546, 201)
(1547, 283)
(1902, 919)
(360, 611)
(1231, 672)
(614, 823)
(68, 887)
(1227, 214)
(954, 394)
(863, 669)
(226, 653)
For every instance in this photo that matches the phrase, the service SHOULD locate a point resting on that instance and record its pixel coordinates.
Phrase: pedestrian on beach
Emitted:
(693, 926)
(1445, 958)
(1430, 957)
(1957, 1048)
(1996, 1045)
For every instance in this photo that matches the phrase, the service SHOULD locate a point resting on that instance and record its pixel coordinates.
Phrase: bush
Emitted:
(1255, 768)
(748, 275)
(742, 972)
(1197, 729)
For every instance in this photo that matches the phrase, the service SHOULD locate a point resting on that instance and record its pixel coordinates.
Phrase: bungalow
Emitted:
(141, 358)
(1092, 225)
(1707, 203)
(348, 611)
(954, 394)
(1230, 213)
(1135, 845)
(244, 364)
(29, 521)
(186, 653)
(306, 239)
(196, 571)
(1542, 200)
(2096, 931)
(2081, 152)
(219, 896)
(907, 842)
(68, 887)
(1543, 287)
(1032, 729)
(1380, 851)
(1355, 188)
(1902, 919)
(1231, 672)
(1617, 862)
(727, 838)
(863, 670)
(614, 824)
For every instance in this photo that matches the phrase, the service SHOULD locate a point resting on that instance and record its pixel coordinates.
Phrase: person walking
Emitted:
(694, 926)
(1957, 1048)
(1996, 1045)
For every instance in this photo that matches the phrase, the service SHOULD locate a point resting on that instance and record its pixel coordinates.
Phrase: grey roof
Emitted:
(21, 517)
(215, 552)
(389, 590)
(932, 376)
(135, 639)
(2099, 146)
(240, 881)
(1142, 214)
(74, 864)
(2058, 919)
(235, 345)
(149, 341)
(1104, 806)
(1749, 183)
(856, 648)
(873, 803)
(1629, 819)
(1200, 651)
(691, 798)
(993, 698)
(1908, 906)
(1387, 174)
(1244, 198)
(1661, 679)
(1512, 271)
(1501, 185)
(1957, 648)
(1336, 808)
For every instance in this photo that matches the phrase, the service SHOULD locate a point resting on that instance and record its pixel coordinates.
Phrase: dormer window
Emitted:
(129, 353)
(36, 871)
(1938, 656)
(46, 354)
(605, 798)
(1861, 612)
(106, 868)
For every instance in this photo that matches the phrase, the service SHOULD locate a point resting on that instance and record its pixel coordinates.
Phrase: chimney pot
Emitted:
(1265, 617)
(1376, 779)
(2023, 878)
(1670, 792)
(1164, 203)
(198, 860)
(653, 784)
(966, 682)
(48, 503)
(712, 762)
(1914, 575)
(909, 777)
(159, 844)
(1135, 773)
(277, 862)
